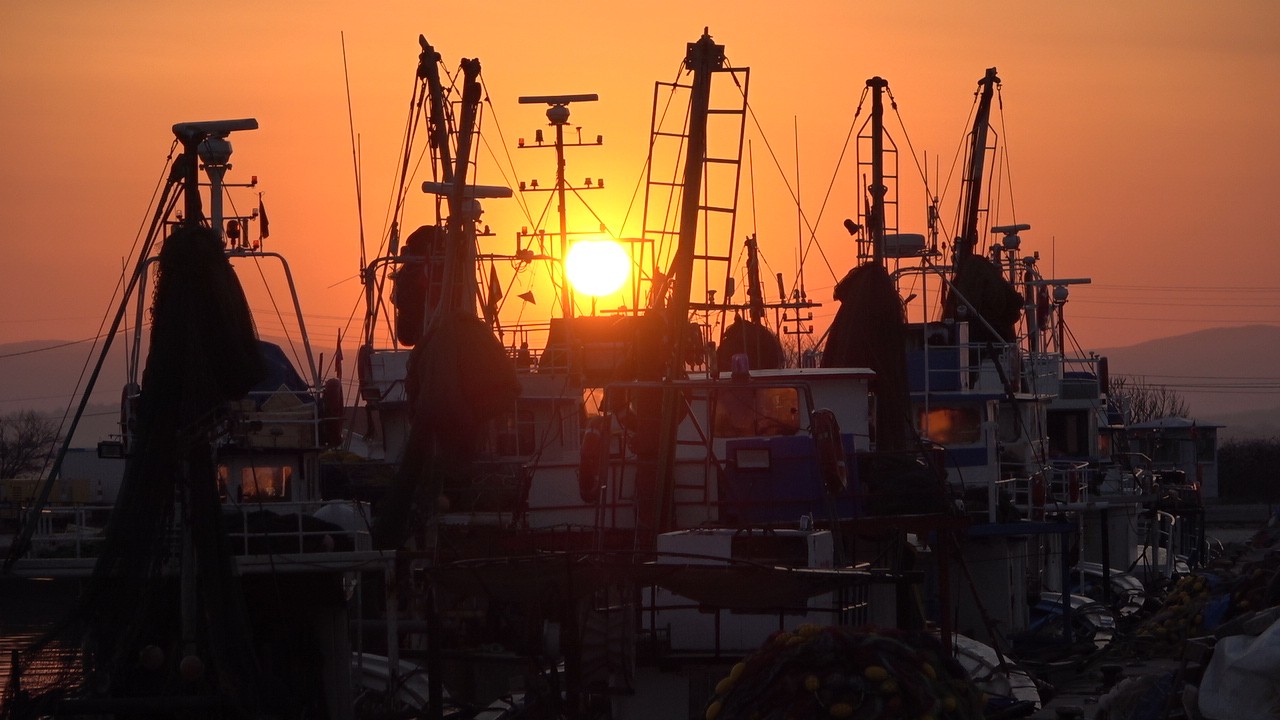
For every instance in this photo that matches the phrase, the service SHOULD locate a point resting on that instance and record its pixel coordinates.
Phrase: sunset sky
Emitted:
(1143, 136)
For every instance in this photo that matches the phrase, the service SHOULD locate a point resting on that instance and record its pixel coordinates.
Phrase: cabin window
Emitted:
(950, 425)
(266, 483)
(754, 412)
(256, 484)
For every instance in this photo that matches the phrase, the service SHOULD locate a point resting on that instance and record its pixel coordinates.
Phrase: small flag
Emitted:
(527, 297)
(263, 230)
(495, 295)
(495, 286)
(337, 357)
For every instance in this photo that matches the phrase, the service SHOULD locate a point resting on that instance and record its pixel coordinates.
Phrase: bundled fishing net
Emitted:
(459, 378)
(838, 672)
(869, 331)
(757, 342)
(980, 293)
(138, 642)
(1235, 587)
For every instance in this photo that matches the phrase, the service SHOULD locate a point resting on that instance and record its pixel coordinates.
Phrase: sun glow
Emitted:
(597, 267)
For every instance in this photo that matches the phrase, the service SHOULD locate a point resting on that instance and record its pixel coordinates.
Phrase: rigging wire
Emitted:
(671, 211)
(355, 157)
(835, 173)
(163, 205)
(787, 183)
(956, 166)
(1006, 166)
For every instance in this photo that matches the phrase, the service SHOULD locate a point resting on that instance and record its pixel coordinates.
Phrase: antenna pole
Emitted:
(877, 190)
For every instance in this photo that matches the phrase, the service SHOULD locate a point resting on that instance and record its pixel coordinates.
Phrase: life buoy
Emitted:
(331, 412)
(1039, 494)
(128, 410)
(592, 456)
(364, 372)
(1043, 308)
(831, 460)
(409, 284)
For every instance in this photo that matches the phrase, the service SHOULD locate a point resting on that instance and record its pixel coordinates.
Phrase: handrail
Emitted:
(47, 539)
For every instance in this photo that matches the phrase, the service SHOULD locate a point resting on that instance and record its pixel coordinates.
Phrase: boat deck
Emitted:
(313, 562)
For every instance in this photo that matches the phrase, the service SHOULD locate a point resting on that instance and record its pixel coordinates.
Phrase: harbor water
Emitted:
(29, 609)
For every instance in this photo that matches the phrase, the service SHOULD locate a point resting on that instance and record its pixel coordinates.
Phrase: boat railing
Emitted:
(993, 367)
(276, 528)
(68, 531)
(1019, 489)
(674, 622)
(1062, 485)
(1069, 481)
(1042, 373)
(292, 528)
(1116, 479)
(982, 368)
(1160, 533)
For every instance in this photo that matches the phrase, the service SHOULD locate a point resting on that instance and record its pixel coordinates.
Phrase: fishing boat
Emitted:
(601, 512)
(221, 580)
(630, 483)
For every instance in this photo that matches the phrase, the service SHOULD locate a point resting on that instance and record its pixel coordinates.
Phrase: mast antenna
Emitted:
(558, 117)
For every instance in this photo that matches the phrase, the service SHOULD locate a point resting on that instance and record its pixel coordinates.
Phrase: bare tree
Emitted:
(27, 441)
(1143, 401)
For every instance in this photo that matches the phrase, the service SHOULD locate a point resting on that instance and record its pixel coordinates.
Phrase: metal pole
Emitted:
(566, 297)
(877, 189)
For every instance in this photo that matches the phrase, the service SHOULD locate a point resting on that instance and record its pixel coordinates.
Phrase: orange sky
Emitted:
(1143, 136)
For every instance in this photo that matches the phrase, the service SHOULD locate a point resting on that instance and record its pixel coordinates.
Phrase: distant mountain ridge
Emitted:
(42, 375)
(1229, 376)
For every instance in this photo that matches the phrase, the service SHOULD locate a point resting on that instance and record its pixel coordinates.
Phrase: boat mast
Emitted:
(968, 237)
(457, 294)
(558, 117)
(755, 294)
(702, 58)
(460, 255)
(875, 213)
(429, 70)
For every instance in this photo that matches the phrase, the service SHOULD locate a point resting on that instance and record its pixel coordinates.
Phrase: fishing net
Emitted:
(143, 636)
(980, 293)
(757, 342)
(869, 331)
(459, 378)
(839, 672)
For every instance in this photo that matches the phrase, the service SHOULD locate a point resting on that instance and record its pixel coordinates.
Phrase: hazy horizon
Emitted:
(1142, 139)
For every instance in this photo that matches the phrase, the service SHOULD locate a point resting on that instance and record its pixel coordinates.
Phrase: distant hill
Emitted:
(42, 375)
(1228, 376)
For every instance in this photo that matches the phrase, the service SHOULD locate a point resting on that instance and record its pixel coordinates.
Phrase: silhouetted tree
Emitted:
(27, 441)
(1143, 401)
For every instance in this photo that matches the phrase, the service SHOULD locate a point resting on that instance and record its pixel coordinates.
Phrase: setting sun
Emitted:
(597, 267)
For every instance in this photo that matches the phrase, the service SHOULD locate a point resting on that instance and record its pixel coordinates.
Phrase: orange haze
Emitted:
(1143, 137)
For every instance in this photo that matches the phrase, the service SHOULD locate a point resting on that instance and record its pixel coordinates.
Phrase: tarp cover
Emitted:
(1243, 677)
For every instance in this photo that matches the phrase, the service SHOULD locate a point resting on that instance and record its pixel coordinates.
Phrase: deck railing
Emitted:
(254, 529)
